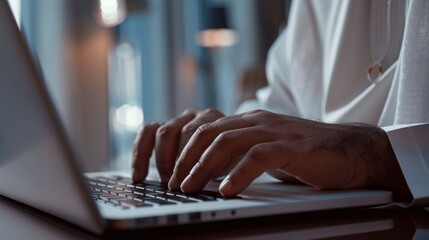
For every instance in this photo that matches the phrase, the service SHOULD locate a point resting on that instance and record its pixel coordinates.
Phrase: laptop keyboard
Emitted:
(120, 192)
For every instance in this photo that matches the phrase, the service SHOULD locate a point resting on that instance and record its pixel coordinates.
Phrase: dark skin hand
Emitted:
(198, 146)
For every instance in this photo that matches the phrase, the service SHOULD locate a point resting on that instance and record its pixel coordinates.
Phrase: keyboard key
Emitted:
(126, 188)
(92, 183)
(117, 190)
(155, 183)
(175, 198)
(107, 197)
(128, 194)
(160, 202)
(135, 203)
(202, 198)
(149, 187)
(124, 181)
(102, 179)
(142, 198)
(210, 194)
(120, 178)
(119, 200)
(154, 200)
(140, 191)
(100, 188)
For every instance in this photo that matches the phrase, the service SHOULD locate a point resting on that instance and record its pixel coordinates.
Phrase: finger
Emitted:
(218, 155)
(167, 143)
(142, 150)
(206, 116)
(260, 158)
(198, 143)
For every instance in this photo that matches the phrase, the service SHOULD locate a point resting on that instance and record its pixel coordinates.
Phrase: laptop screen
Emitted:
(37, 167)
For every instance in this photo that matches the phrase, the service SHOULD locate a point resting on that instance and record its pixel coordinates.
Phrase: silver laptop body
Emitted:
(38, 167)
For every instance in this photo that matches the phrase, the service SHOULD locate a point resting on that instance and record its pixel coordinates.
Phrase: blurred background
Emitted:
(113, 65)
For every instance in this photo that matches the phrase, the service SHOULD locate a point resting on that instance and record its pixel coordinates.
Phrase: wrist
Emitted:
(384, 170)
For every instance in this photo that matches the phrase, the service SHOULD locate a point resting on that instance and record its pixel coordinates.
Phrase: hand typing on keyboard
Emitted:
(198, 146)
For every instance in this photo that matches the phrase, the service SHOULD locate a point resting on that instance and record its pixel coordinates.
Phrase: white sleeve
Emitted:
(276, 97)
(409, 102)
(410, 143)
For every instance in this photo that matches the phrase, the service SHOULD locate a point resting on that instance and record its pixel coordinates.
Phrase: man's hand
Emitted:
(168, 141)
(325, 156)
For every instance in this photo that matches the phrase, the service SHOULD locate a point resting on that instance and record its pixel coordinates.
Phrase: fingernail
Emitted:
(225, 186)
(172, 184)
(186, 184)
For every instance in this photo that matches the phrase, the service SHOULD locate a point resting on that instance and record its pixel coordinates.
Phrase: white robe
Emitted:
(317, 69)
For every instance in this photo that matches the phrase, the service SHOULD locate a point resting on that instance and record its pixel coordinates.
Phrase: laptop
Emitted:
(39, 169)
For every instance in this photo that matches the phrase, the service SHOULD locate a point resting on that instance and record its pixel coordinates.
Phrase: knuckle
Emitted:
(257, 112)
(225, 138)
(212, 112)
(265, 117)
(189, 111)
(188, 130)
(203, 129)
(147, 128)
(164, 131)
(142, 131)
(264, 114)
(260, 111)
(198, 168)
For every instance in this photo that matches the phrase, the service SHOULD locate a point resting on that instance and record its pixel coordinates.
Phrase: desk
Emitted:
(19, 223)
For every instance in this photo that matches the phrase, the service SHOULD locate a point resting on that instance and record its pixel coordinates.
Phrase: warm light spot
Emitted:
(213, 38)
(112, 12)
